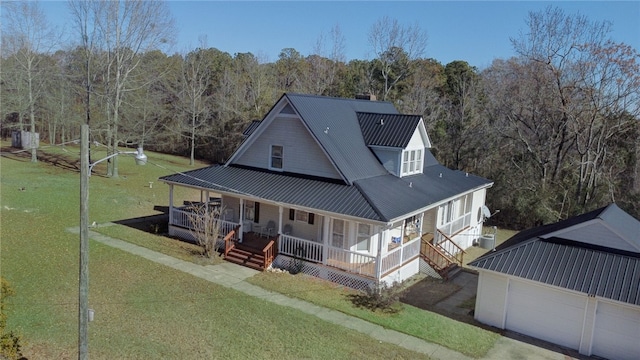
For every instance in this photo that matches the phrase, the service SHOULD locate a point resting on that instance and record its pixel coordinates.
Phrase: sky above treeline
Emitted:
(474, 31)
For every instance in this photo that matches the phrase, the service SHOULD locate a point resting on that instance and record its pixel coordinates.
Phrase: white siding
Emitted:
(617, 331)
(408, 270)
(301, 153)
(490, 299)
(594, 326)
(545, 313)
(416, 142)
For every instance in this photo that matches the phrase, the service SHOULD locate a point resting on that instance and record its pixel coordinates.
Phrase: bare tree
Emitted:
(324, 63)
(27, 36)
(127, 29)
(394, 46)
(205, 227)
(196, 81)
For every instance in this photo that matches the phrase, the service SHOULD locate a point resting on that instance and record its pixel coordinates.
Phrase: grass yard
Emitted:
(142, 310)
(467, 339)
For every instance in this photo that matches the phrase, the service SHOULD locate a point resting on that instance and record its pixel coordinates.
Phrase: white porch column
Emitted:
(280, 210)
(381, 234)
(241, 220)
(420, 224)
(325, 238)
(170, 204)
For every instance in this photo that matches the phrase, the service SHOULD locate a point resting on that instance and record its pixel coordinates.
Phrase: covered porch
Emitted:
(363, 249)
(371, 251)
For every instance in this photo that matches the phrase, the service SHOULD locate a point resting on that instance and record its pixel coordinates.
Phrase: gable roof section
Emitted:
(590, 253)
(389, 130)
(334, 123)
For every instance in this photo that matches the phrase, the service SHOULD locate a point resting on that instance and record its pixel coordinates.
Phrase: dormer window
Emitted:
(411, 162)
(276, 157)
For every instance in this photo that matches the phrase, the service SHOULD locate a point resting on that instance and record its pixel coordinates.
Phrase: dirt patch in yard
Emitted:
(426, 293)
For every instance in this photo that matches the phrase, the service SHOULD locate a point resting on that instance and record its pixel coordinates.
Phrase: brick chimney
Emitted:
(369, 97)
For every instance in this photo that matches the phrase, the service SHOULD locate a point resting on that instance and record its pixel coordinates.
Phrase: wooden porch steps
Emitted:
(246, 258)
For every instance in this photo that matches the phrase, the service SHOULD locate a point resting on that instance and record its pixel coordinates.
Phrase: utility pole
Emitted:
(83, 289)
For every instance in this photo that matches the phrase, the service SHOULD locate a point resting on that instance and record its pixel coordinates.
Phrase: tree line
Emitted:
(556, 127)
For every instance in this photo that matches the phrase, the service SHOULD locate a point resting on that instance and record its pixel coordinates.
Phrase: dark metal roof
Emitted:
(251, 127)
(589, 265)
(334, 123)
(392, 130)
(382, 198)
(278, 187)
(393, 197)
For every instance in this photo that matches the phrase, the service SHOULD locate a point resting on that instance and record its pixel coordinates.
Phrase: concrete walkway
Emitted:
(233, 276)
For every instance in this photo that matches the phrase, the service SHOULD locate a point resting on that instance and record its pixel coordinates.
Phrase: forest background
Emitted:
(556, 127)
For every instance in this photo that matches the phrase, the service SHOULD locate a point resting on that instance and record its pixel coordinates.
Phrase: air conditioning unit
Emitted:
(487, 241)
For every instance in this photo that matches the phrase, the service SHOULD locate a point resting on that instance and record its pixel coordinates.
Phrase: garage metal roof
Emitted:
(597, 253)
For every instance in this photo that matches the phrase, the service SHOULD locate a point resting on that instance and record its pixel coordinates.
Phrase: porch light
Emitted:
(140, 157)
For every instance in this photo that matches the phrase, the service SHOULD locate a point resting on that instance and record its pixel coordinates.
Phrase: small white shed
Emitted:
(575, 283)
(23, 140)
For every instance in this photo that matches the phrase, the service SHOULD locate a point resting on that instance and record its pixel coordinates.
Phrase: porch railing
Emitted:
(352, 261)
(182, 217)
(400, 255)
(300, 248)
(453, 227)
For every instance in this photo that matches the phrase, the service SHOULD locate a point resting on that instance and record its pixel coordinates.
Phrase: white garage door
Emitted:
(545, 313)
(617, 332)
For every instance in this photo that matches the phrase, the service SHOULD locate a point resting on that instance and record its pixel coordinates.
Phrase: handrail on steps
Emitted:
(268, 254)
(446, 258)
(461, 251)
(229, 242)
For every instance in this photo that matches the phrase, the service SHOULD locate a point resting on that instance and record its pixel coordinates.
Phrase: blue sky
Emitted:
(474, 31)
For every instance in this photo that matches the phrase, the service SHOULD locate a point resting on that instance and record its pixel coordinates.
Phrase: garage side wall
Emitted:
(491, 298)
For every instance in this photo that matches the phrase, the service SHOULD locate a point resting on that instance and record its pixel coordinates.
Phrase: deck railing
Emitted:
(352, 261)
(182, 217)
(300, 248)
(454, 227)
(400, 255)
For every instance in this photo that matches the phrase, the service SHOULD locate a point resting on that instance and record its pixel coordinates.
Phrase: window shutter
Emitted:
(256, 212)
(310, 219)
(292, 214)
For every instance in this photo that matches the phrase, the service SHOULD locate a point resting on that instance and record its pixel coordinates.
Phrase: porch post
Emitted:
(325, 238)
(420, 225)
(280, 210)
(381, 234)
(170, 204)
(241, 220)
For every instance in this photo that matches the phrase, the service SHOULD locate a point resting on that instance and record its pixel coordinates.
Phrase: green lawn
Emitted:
(467, 339)
(142, 310)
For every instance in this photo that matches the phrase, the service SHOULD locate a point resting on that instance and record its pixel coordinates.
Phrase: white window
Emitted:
(276, 156)
(411, 162)
(302, 216)
(364, 237)
(337, 233)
